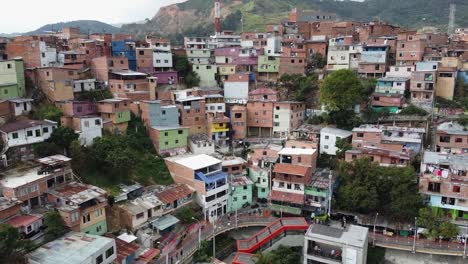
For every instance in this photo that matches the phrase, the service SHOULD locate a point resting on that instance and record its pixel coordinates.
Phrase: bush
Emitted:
(413, 110)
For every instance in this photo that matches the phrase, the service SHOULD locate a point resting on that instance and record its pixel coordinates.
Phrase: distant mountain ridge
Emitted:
(189, 16)
(85, 26)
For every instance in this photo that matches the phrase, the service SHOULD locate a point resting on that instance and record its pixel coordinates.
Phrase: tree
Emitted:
(94, 95)
(344, 119)
(181, 64)
(365, 187)
(262, 258)
(299, 87)
(48, 111)
(341, 90)
(186, 215)
(342, 145)
(435, 224)
(192, 79)
(204, 253)
(413, 110)
(316, 61)
(62, 137)
(78, 155)
(286, 255)
(55, 226)
(12, 247)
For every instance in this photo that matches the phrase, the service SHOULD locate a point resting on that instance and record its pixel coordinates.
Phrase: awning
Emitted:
(164, 222)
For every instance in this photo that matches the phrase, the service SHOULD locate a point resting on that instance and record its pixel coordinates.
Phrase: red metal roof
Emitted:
(171, 195)
(294, 198)
(23, 220)
(125, 249)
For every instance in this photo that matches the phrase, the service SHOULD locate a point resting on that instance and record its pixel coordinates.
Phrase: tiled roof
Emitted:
(291, 169)
(294, 198)
(173, 194)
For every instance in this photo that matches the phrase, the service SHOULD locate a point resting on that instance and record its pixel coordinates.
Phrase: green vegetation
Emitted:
(341, 90)
(59, 142)
(12, 246)
(316, 61)
(376, 255)
(48, 111)
(413, 110)
(95, 95)
(368, 188)
(204, 253)
(192, 79)
(299, 87)
(55, 226)
(112, 160)
(437, 226)
(186, 215)
(281, 255)
(181, 64)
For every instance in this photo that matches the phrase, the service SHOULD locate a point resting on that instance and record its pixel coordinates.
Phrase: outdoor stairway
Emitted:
(276, 228)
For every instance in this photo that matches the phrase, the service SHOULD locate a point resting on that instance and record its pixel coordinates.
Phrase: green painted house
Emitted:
(259, 177)
(170, 140)
(240, 193)
(268, 64)
(12, 81)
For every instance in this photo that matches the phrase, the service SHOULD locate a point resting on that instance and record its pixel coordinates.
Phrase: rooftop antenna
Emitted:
(217, 15)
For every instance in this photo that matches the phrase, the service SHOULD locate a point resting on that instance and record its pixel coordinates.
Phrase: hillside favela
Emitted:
(234, 131)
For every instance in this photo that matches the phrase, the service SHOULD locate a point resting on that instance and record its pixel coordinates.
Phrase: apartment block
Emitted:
(287, 116)
(451, 137)
(241, 187)
(82, 207)
(20, 136)
(204, 174)
(115, 114)
(31, 184)
(238, 115)
(12, 81)
(443, 178)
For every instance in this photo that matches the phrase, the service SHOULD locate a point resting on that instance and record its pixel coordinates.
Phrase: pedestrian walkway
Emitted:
(270, 232)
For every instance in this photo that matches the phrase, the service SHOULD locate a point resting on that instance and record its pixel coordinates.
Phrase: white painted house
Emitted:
(84, 85)
(236, 88)
(328, 138)
(26, 132)
(21, 106)
(90, 127)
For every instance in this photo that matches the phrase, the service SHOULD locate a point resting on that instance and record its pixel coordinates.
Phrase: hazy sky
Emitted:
(28, 15)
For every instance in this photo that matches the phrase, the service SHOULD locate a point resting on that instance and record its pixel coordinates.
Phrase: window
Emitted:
(97, 122)
(325, 147)
(458, 140)
(177, 141)
(98, 228)
(299, 159)
(456, 189)
(45, 130)
(86, 218)
(9, 66)
(110, 252)
(276, 116)
(180, 132)
(166, 134)
(327, 137)
(29, 133)
(360, 135)
(444, 139)
(140, 215)
(141, 52)
(98, 213)
(264, 153)
(75, 216)
(166, 143)
(99, 259)
(354, 157)
(244, 197)
(281, 184)
(14, 135)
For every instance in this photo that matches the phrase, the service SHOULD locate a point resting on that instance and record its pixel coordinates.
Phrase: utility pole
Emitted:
(375, 222)
(214, 242)
(415, 233)
(330, 176)
(466, 238)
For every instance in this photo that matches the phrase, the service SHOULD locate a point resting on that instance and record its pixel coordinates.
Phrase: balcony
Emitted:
(320, 250)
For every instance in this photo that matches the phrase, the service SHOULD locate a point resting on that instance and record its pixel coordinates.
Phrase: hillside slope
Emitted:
(195, 16)
(85, 26)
